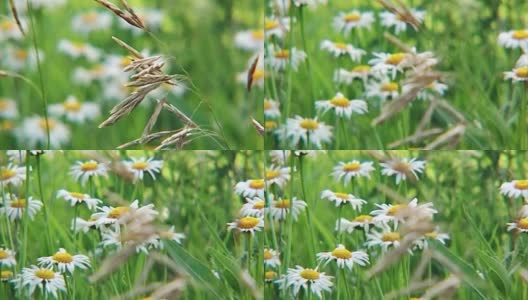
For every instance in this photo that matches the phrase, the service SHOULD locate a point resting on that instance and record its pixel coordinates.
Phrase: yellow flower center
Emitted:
(73, 106)
(89, 166)
(389, 87)
(522, 72)
(6, 174)
(342, 196)
(352, 167)
(395, 59)
(6, 274)
(21, 54)
(125, 61)
(270, 24)
(78, 46)
(3, 254)
(267, 255)
(45, 274)
(140, 165)
(47, 124)
(390, 237)
(19, 203)
(395, 209)
(309, 274)
(352, 17)
(258, 34)
(3, 105)
(271, 174)
(7, 25)
(341, 253)
(402, 167)
(118, 212)
(267, 105)
(166, 235)
(309, 124)
(282, 54)
(90, 17)
(432, 235)
(340, 101)
(270, 275)
(259, 205)
(6, 125)
(62, 257)
(256, 184)
(361, 69)
(519, 184)
(363, 218)
(282, 204)
(78, 196)
(248, 222)
(520, 34)
(340, 46)
(270, 124)
(523, 223)
(258, 74)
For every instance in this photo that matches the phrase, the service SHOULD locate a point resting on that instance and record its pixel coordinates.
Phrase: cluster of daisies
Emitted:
(379, 227)
(516, 39)
(517, 189)
(380, 77)
(50, 272)
(93, 68)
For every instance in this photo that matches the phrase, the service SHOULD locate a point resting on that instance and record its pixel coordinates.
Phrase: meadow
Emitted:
(206, 50)
(380, 75)
(164, 225)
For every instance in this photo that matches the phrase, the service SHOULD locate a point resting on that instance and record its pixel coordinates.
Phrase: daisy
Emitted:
(83, 225)
(247, 224)
(279, 59)
(271, 258)
(65, 261)
(138, 166)
(280, 209)
(77, 50)
(271, 108)
(430, 91)
(344, 257)
(389, 19)
(6, 275)
(9, 29)
(75, 111)
(169, 235)
(387, 63)
(389, 212)
(91, 21)
(34, 132)
(117, 239)
(515, 189)
(305, 130)
(18, 59)
(12, 175)
(385, 239)
(520, 225)
(347, 76)
(339, 49)
(346, 21)
(250, 188)
(403, 168)
(383, 89)
(82, 171)
(45, 279)
(433, 235)
(354, 168)
(253, 207)
(277, 175)
(8, 109)
(113, 215)
(362, 221)
(311, 280)
(77, 198)
(270, 276)
(343, 107)
(14, 207)
(343, 198)
(7, 258)
(277, 27)
(251, 40)
(517, 74)
(514, 39)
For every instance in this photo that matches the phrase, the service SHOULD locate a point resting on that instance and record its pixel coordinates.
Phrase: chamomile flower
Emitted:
(75, 111)
(247, 224)
(6, 275)
(117, 239)
(7, 258)
(514, 39)
(358, 72)
(271, 258)
(277, 175)
(422, 243)
(138, 166)
(385, 239)
(517, 74)
(12, 174)
(338, 49)
(91, 21)
(310, 280)
(279, 59)
(169, 235)
(251, 188)
(354, 168)
(280, 209)
(64, 261)
(403, 168)
(342, 106)
(515, 188)
(436, 88)
(344, 257)
(520, 225)
(389, 19)
(9, 29)
(17, 59)
(270, 276)
(361, 221)
(78, 49)
(346, 21)
(277, 27)
(271, 108)
(388, 63)
(253, 207)
(108, 215)
(15, 207)
(305, 130)
(82, 171)
(383, 89)
(34, 132)
(389, 212)
(78, 198)
(47, 280)
(80, 224)
(251, 40)
(343, 198)
(8, 109)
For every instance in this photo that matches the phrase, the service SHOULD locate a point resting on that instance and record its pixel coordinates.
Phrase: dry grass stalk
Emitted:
(401, 11)
(444, 288)
(251, 73)
(153, 118)
(129, 16)
(249, 283)
(146, 139)
(258, 126)
(180, 115)
(129, 48)
(450, 137)
(178, 139)
(415, 138)
(15, 16)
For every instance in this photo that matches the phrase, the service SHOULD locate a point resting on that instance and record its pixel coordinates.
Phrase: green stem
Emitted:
(309, 218)
(522, 124)
(308, 65)
(44, 204)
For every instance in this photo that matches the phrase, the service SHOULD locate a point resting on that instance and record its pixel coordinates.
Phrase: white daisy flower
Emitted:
(311, 280)
(48, 281)
(520, 225)
(115, 238)
(36, 4)
(169, 235)
(338, 49)
(344, 257)
(277, 175)
(422, 243)
(343, 198)
(12, 175)
(387, 63)
(403, 168)
(250, 188)
(279, 59)
(9, 29)
(138, 166)
(346, 21)
(18, 59)
(361, 221)
(515, 189)
(277, 27)
(109, 215)
(80, 224)
(14, 207)
(385, 239)
(34, 132)
(65, 261)
(271, 258)
(270, 276)
(430, 91)
(522, 61)
(74, 110)
(514, 39)
(77, 50)
(517, 74)
(306, 130)
(247, 224)
(271, 108)
(347, 76)
(82, 171)
(251, 40)
(354, 168)
(91, 21)
(383, 89)
(389, 212)
(253, 207)
(258, 75)
(8, 109)
(389, 19)
(280, 209)
(78, 198)
(343, 106)
(6, 275)
(7, 258)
